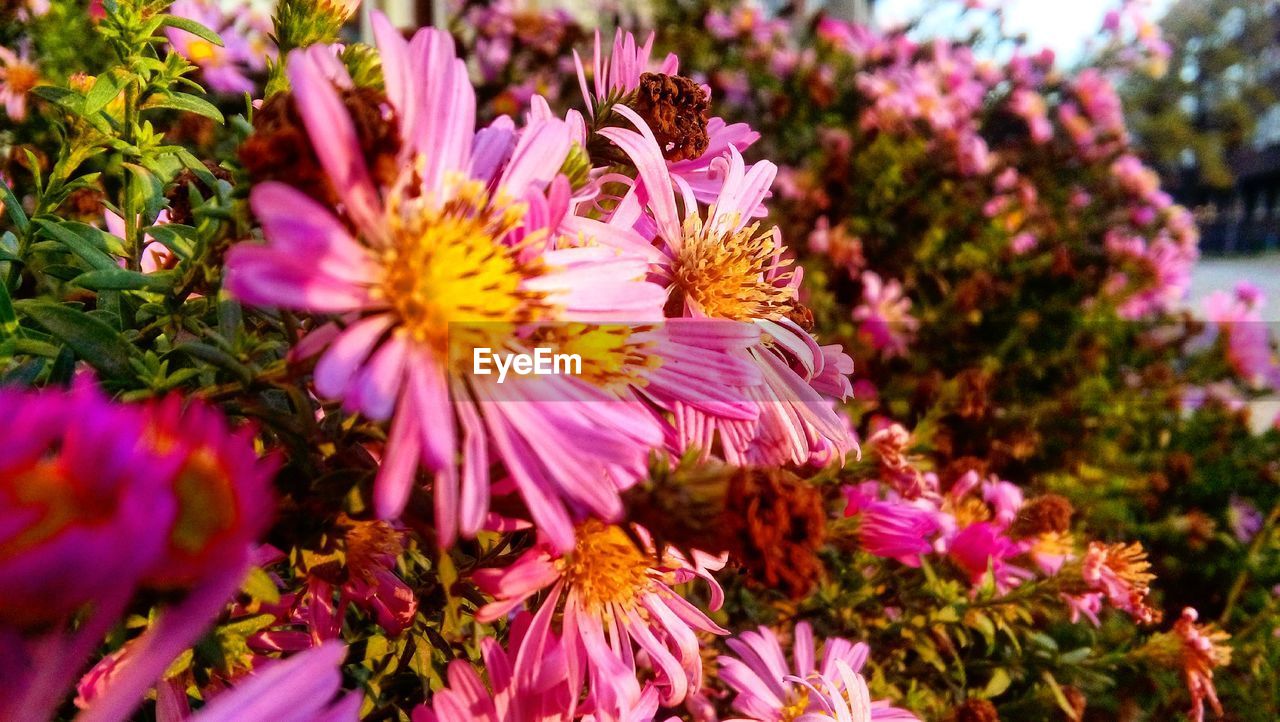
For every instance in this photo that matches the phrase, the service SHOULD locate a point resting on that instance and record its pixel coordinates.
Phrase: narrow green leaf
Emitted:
(186, 103)
(260, 586)
(219, 358)
(118, 279)
(192, 27)
(8, 317)
(90, 338)
(78, 244)
(105, 89)
(12, 207)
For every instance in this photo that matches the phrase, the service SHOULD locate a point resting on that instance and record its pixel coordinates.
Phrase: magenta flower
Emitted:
(100, 500)
(1030, 106)
(456, 254)
(617, 599)
(983, 547)
(895, 529)
(302, 687)
(530, 682)
(722, 266)
(769, 689)
(884, 316)
(1248, 343)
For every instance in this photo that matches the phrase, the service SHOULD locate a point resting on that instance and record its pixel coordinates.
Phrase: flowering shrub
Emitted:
(864, 345)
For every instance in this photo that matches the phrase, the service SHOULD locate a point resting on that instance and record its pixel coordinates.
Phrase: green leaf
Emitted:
(186, 103)
(259, 585)
(12, 207)
(66, 234)
(105, 89)
(118, 279)
(90, 338)
(219, 358)
(192, 27)
(999, 683)
(8, 317)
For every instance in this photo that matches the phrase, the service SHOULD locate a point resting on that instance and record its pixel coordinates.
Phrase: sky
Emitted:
(1063, 25)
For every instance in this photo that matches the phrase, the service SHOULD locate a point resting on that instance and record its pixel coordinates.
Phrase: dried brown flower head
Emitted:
(675, 108)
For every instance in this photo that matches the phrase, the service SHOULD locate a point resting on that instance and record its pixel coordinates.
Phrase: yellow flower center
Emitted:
(725, 274)
(61, 501)
(206, 502)
(201, 52)
(611, 357)
(21, 78)
(797, 706)
(449, 280)
(605, 567)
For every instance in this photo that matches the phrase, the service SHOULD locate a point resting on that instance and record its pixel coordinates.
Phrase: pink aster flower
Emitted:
(722, 266)
(530, 682)
(884, 316)
(1204, 648)
(983, 547)
(769, 689)
(615, 601)
(1120, 573)
(372, 583)
(18, 75)
(100, 500)
(1030, 106)
(456, 254)
(304, 687)
(227, 68)
(618, 75)
(892, 528)
(1248, 343)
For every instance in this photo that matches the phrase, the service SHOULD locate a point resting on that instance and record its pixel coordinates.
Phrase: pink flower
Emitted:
(894, 528)
(982, 547)
(769, 689)
(245, 47)
(1120, 573)
(372, 583)
(619, 74)
(722, 266)
(884, 316)
(101, 500)
(530, 682)
(1204, 649)
(18, 75)
(460, 250)
(1248, 342)
(1030, 106)
(615, 599)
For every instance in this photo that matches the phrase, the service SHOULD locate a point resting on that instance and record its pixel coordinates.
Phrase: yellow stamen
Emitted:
(611, 358)
(605, 567)
(448, 279)
(724, 274)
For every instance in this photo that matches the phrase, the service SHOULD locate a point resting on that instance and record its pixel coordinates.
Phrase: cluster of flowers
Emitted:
(991, 533)
(508, 224)
(399, 235)
(102, 501)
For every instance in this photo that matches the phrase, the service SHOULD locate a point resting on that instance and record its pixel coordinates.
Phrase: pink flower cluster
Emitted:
(1237, 319)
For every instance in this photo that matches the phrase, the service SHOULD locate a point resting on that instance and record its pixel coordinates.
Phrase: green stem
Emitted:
(127, 209)
(1255, 548)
